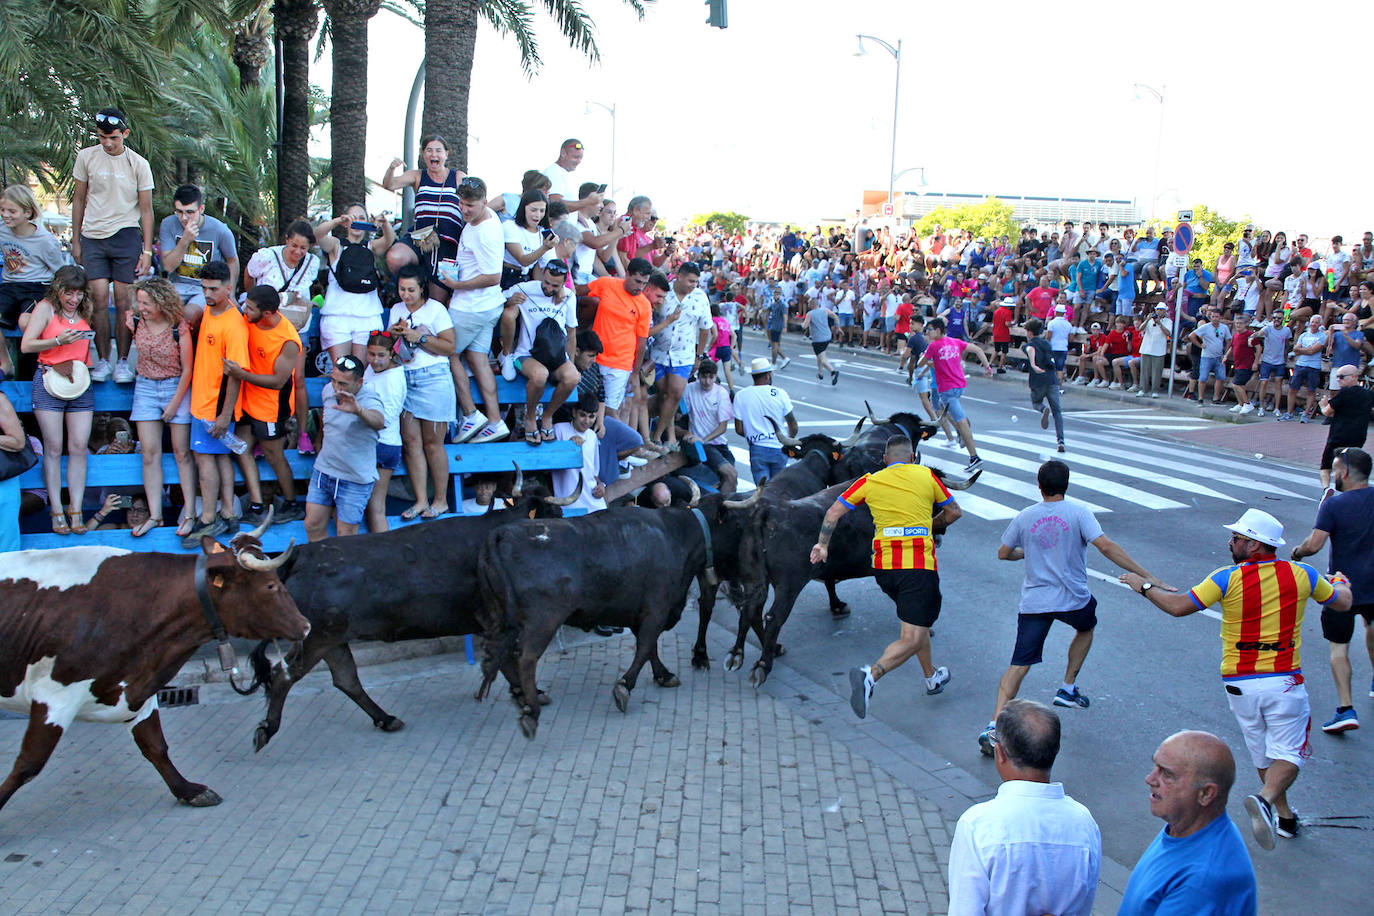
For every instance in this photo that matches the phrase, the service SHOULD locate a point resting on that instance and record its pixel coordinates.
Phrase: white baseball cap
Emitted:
(1259, 526)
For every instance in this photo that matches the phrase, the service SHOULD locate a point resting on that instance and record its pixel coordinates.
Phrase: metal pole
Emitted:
(1173, 344)
(408, 194)
(1159, 145)
(613, 184)
(892, 161)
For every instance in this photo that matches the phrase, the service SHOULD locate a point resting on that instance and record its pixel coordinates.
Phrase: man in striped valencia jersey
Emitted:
(906, 499)
(1262, 601)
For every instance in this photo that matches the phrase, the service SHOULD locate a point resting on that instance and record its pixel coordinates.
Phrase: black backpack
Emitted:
(356, 270)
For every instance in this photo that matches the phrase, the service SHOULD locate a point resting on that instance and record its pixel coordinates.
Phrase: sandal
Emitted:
(413, 513)
(532, 437)
(186, 525)
(59, 523)
(78, 526)
(434, 512)
(546, 434)
(148, 525)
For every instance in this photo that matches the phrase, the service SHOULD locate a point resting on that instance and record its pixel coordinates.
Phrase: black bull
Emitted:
(417, 582)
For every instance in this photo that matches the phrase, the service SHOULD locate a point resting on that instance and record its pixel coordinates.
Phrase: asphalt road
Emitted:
(1148, 675)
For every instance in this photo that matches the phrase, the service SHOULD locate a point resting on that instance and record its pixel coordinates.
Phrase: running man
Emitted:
(1053, 537)
(1262, 600)
(945, 356)
(816, 325)
(903, 498)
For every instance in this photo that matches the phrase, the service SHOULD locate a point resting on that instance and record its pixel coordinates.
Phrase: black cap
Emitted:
(350, 363)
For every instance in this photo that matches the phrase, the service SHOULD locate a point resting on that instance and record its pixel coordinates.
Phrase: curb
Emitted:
(205, 670)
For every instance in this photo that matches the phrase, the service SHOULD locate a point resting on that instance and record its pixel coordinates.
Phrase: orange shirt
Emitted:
(264, 346)
(620, 318)
(78, 349)
(222, 336)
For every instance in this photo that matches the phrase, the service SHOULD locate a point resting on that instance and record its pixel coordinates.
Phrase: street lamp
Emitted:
(609, 109)
(1159, 137)
(896, 90)
(922, 186)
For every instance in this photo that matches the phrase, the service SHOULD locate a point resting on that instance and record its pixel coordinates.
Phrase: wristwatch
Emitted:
(1146, 586)
(423, 338)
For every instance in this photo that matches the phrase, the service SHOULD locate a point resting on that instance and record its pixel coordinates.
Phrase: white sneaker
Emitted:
(786, 360)
(1140, 392)
(1259, 411)
(1114, 386)
(634, 461)
(469, 426)
(1132, 389)
(123, 375)
(1100, 383)
(100, 371)
(861, 685)
(1246, 408)
(1236, 409)
(507, 361)
(491, 432)
(937, 681)
(1155, 395)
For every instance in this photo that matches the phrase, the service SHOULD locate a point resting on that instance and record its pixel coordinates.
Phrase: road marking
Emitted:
(1027, 491)
(1253, 467)
(843, 413)
(1108, 577)
(982, 507)
(969, 397)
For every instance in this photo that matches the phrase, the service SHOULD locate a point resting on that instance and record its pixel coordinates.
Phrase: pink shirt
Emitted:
(946, 357)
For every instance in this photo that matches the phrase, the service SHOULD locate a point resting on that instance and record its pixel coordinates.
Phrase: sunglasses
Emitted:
(386, 336)
(470, 182)
(109, 122)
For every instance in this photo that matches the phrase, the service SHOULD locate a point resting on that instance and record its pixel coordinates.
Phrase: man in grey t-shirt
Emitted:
(189, 240)
(1053, 537)
(346, 468)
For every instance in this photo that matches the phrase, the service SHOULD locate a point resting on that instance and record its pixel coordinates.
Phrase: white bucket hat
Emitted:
(1259, 526)
(760, 365)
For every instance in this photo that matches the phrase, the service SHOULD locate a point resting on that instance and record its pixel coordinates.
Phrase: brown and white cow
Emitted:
(93, 633)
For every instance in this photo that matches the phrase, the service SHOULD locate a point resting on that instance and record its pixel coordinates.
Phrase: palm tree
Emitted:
(253, 46)
(451, 40)
(348, 21)
(296, 22)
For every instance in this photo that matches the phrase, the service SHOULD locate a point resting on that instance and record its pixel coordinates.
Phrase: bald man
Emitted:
(1198, 864)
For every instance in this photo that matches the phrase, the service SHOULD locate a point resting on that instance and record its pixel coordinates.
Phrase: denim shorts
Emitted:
(923, 381)
(389, 457)
(846, 319)
(1060, 358)
(472, 330)
(430, 394)
(151, 397)
(765, 462)
(662, 369)
(349, 498)
(1270, 370)
(1211, 367)
(950, 398)
(1306, 377)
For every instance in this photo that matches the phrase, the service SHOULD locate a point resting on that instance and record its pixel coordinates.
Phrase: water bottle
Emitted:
(233, 442)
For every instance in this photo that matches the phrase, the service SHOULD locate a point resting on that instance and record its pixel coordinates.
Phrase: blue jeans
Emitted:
(1050, 393)
(765, 462)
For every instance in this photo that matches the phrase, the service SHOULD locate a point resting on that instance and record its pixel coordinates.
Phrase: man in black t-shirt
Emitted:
(1044, 380)
(1349, 409)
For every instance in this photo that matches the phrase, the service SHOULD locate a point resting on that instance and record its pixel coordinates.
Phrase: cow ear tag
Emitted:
(217, 581)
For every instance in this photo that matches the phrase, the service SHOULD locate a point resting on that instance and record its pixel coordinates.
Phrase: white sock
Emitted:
(1068, 688)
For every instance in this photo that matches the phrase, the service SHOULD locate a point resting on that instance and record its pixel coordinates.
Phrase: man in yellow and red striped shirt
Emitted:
(1262, 602)
(905, 499)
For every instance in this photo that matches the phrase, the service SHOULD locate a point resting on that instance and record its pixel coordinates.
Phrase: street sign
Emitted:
(1185, 216)
(1183, 237)
(887, 209)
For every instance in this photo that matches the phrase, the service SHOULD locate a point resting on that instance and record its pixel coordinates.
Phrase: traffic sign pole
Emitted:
(1183, 243)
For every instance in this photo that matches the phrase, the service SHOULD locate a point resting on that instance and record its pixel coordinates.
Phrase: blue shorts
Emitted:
(950, 399)
(389, 457)
(890, 324)
(923, 381)
(202, 442)
(348, 498)
(1306, 377)
(1031, 630)
(43, 401)
(846, 319)
(1270, 370)
(1060, 358)
(430, 395)
(661, 370)
(1211, 367)
(151, 397)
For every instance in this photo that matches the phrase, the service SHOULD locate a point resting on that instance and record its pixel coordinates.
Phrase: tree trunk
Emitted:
(348, 101)
(450, 42)
(250, 77)
(296, 21)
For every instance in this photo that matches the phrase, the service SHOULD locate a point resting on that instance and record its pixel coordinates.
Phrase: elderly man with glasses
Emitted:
(1349, 409)
(1262, 602)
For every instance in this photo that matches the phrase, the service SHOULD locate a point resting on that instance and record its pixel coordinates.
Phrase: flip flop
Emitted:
(147, 526)
(413, 513)
(546, 434)
(433, 512)
(532, 437)
(186, 526)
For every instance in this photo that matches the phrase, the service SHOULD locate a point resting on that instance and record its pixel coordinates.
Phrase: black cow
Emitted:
(417, 582)
(625, 567)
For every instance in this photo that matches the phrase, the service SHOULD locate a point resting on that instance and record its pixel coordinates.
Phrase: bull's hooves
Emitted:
(205, 798)
(529, 725)
(701, 664)
(260, 738)
(779, 649)
(669, 681)
(622, 697)
(757, 677)
(390, 724)
(841, 610)
(734, 661)
(544, 698)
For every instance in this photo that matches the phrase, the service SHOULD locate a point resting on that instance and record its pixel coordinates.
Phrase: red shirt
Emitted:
(904, 311)
(1116, 344)
(1041, 302)
(1001, 319)
(1242, 353)
(1095, 342)
(1132, 337)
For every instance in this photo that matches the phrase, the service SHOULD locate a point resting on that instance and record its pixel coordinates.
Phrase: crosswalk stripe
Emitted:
(1190, 452)
(1025, 490)
(982, 507)
(1116, 466)
(746, 479)
(1101, 485)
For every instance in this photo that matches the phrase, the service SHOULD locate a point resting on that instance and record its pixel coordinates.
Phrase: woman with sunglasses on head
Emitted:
(59, 331)
(438, 224)
(352, 308)
(388, 381)
(32, 255)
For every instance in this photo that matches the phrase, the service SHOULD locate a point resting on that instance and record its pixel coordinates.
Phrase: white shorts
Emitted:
(1274, 716)
(341, 329)
(614, 381)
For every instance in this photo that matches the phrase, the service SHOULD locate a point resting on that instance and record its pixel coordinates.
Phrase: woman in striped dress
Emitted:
(438, 223)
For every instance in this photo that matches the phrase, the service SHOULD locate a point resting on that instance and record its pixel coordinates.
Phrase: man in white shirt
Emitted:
(1032, 849)
(709, 415)
(580, 432)
(563, 187)
(755, 407)
(682, 332)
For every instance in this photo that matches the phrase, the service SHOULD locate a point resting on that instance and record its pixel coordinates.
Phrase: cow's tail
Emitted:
(262, 669)
(752, 591)
(498, 616)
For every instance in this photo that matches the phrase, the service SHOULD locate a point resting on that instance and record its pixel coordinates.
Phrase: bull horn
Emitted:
(874, 420)
(519, 482)
(568, 500)
(696, 491)
(782, 436)
(249, 559)
(259, 531)
(747, 502)
(854, 437)
(965, 483)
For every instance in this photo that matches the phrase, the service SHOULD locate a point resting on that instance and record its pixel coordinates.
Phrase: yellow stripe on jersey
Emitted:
(902, 498)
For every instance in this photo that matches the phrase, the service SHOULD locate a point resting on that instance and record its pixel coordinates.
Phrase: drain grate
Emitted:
(178, 696)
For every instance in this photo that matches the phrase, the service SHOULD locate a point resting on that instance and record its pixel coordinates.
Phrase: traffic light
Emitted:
(717, 14)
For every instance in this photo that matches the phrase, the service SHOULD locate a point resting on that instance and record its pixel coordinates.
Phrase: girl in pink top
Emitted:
(59, 331)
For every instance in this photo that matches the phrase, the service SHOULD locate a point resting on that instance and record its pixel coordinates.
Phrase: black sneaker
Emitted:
(289, 512)
(231, 523)
(974, 464)
(1288, 826)
(834, 376)
(1263, 823)
(213, 528)
(602, 630)
(254, 514)
(1061, 448)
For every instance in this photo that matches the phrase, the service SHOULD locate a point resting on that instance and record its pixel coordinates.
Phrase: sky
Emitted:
(1265, 113)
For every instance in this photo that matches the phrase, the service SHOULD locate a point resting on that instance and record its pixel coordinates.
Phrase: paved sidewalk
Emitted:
(709, 798)
(1294, 443)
